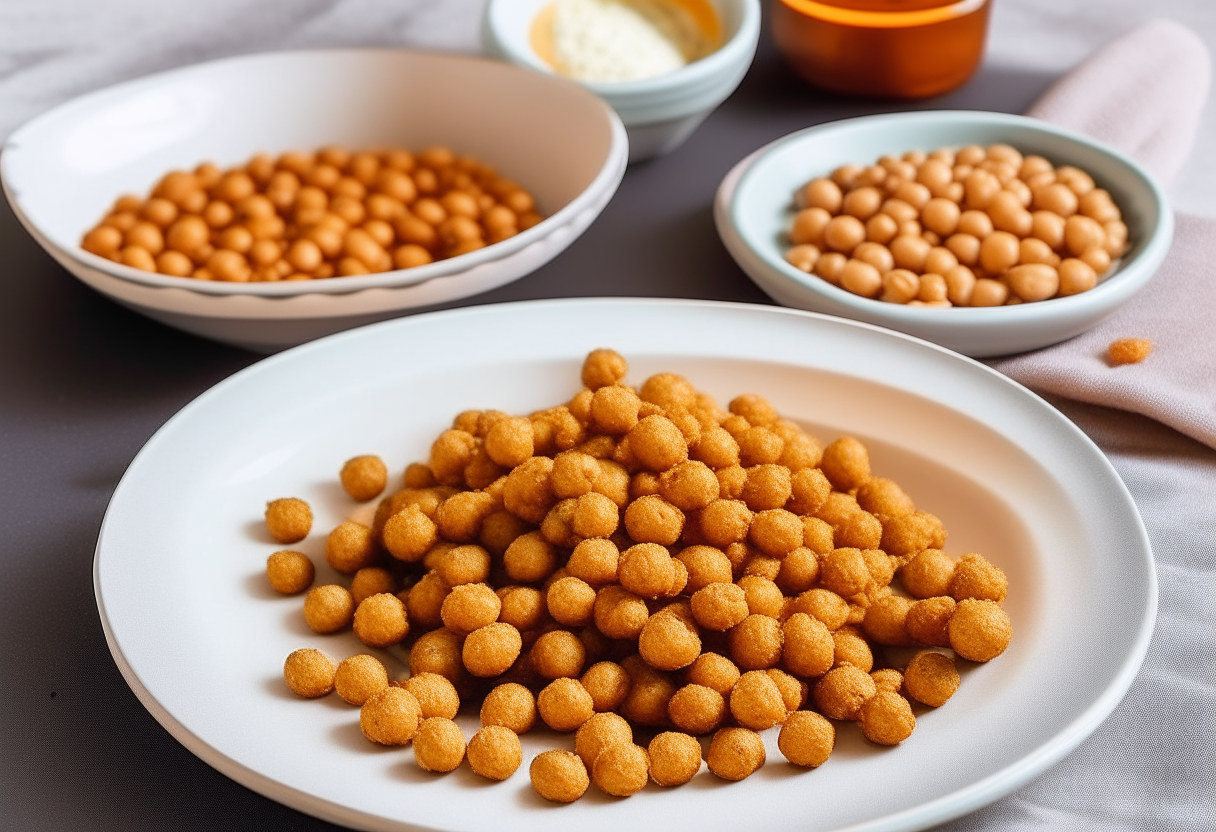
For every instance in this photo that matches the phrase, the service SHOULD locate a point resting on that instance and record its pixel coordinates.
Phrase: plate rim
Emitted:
(947, 807)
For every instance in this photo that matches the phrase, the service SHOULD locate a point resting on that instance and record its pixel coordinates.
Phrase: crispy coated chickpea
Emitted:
(689, 486)
(621, 770)
(719, 606)
(509, 442)
(390, 717)
(614, 409)
(928, 574)
(844, 572)
(510, 705)
(461, 564)
(559, 776)
(369, 581)
(558, 654)
(600, 732)
(776, 532)
(380, 620)
(657, 443)
(564, 704)
(886, 621)
(608, 684)
(495, 752)
(439, 745)
(603, 367)
(931, 678)
(364, 477)
(755, 643)
(668, 642)
(436, 695)
(409, 534)
(851, 648)
(842, 691)
(469, 607)
(927, 621)
(823, 605)
(571, 601)
(645, 569)
(886, 718)
(1128, 351)
(807, 739)
(675, 758)
(619, 613)
(979, 630)
(359, 678)
(491, 650)
(735, 753)
(975, 577)
(756, 701)
(809, 648)
(705, 565)
(289, 572)
(308, 673)
(328, 608)
(288, 519)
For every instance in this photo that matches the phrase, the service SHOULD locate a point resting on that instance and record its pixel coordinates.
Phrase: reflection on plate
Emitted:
(180, 560)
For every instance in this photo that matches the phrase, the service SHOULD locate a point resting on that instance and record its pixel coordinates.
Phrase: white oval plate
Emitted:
(179, 569)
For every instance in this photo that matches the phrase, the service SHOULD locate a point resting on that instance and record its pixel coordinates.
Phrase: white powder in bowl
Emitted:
(623, 40)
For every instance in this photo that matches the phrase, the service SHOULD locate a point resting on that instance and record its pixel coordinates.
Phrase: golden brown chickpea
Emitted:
(289, 572)
(364, 477)
(803, 257)
(564, 704)
(436, 695)
(763, 595)
(735, 753)
(308, 673)
(886, 718)
(931, 678)
(755, 643)
(776, 532)
(799, 571)
(999, 252)
(979, 630)
(369, 581)
(559, 776)
(899, 286)
(988, 292)
(492, 649)
(598, 733)
(821, 193)
(558, 654)
(529, 492)
(288, 519)
(675, 758)
(668, 642)
(380, 620)
(843, 233)
(350, 547)
(886, 621)
(328, 608)
(861, 278)
(1033, 282)
(807, 739)
(621, 770)
(425, 600)
(809, 226)
(439, 745)
(862, 203)
(469, 607)
(390, 717)
(608, 685)
(975, 577)
(830, 265)
(359, 678)
(756, 701)
(842, 691)
(495, 752)
(928, 619)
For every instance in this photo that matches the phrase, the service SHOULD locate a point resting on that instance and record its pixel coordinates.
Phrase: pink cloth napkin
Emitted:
(1143, 94)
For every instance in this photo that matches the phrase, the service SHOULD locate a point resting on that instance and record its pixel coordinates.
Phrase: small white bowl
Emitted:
(64, 169)
(659, 113)
(754, 206)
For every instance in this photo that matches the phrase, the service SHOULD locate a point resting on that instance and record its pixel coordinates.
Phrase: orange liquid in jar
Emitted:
(888, 48)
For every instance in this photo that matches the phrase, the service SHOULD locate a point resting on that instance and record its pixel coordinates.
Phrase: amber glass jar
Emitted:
(888, 48)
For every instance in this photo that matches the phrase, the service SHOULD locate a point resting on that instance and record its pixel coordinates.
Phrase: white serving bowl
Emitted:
(754, 206)
(64, 169)
(659, 113)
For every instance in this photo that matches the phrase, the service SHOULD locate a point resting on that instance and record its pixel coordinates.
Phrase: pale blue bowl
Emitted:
(754, 208)
(659, 113)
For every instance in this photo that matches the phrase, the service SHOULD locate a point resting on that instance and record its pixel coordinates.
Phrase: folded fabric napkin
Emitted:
(1143, 94)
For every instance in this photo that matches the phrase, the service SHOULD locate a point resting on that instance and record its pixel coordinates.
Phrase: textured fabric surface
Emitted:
(1143, 94)
(67, 762)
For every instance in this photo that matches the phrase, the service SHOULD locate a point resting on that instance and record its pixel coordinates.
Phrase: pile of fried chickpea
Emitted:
(302, 216)
(638, 558)
(969, 227)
